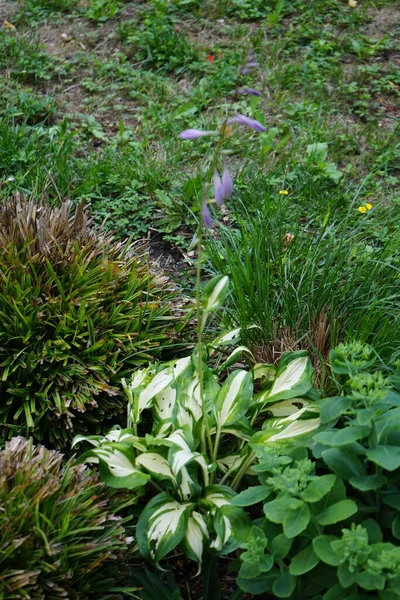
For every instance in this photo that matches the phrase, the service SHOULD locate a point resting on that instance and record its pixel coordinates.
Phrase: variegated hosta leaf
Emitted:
(288, 407)
(217, 495)
(179, 366)
(233, 398)
(114, 435)
(165, 403)
(229, 463)
(215, 292)
(162, 525)
(263, 371)
(227, 337)
(232, 527)
(156, 465)
(294, 378)
(156, 385)
(233, 357)
(293, 429)
(117, 465)
(196, 535)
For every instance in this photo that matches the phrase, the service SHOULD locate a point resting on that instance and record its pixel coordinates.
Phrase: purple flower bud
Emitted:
(252, 64)
(194, 134)
(206, 216)
(218, 189)
(227, 183)
(250, 91)
(252, 123)
(245, 70)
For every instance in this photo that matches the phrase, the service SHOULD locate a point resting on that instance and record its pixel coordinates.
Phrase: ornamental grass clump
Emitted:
(78, 312)
(59, 534)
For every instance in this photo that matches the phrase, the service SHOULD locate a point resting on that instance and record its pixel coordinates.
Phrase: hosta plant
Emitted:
(78, 312)
(189, 439)
(60, 532)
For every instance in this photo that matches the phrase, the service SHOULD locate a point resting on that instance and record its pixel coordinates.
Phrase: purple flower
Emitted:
(250, 91)
(219, 192)
(194, 134)
(227, 183)
(206, 215)
(248, 66)
(252, 123)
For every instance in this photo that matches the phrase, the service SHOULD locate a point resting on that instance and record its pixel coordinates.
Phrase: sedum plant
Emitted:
(78, 312)
(190, 435)
(60, 536)
(330, 529)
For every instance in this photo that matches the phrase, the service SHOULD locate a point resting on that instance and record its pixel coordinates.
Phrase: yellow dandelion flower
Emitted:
(283, 192)
(368, 206)
(362, 209)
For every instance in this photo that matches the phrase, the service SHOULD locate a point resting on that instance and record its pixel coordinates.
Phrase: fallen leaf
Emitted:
(8, 25)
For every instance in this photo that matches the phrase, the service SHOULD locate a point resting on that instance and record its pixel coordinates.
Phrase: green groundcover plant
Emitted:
(78, 312)
(331, 524)
(60, 533)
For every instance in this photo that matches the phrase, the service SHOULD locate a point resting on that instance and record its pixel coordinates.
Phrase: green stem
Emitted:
(205, 428)
(245, 465)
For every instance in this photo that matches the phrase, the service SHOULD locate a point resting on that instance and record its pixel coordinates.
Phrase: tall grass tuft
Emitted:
(308, 286)
(78, 312)
(59, 533)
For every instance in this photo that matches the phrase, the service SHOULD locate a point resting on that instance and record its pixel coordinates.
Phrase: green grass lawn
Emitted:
(94, 95)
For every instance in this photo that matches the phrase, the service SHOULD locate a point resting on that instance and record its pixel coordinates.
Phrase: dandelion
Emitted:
(249, 91)
(283, 192)
(194, 134)
(252, 123)
(206, 215)
(362, 209)
(368, 206)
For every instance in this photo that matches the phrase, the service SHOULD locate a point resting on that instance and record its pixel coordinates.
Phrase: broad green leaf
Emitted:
(162, 525)
(215, 292)
(263, 371)
(324, 551)
(366, 483)
(284, 584)
(252, 495)
(337, 592)
(277, 509)
(343, 464)
(346, 577)
(369, 581)
(218, 495)
(304, 561)
(387, 457)
(196, 534)
(233, 398)
(280, 546)
(294, 379)
(318, 488)
(350, 434)
(259, 585)
(333, 408)
(296, 521)
(318, 152)
(337, 512)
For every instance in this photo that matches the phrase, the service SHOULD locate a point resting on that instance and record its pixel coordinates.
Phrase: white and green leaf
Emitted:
(196, 536)
(162, 525)
(215, 292)
(293, 379)
(234, 398)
